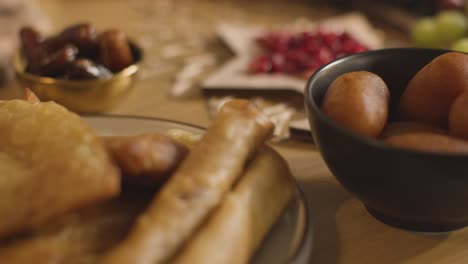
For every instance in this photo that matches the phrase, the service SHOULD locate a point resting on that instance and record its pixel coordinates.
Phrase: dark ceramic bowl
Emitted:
(413, 190)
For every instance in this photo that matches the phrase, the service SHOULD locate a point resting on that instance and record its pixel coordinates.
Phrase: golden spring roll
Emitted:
(235, 230)
(197, 186)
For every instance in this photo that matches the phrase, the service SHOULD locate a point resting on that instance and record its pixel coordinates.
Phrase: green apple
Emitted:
(451, 25)
(460, 45)
(424, 33)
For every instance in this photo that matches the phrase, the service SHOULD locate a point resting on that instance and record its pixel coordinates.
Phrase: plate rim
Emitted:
(150, 118)
(302, 254)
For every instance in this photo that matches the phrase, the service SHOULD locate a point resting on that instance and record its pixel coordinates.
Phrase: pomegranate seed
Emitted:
(277, 62)
(303, 52)
(261, 64)
(325, 55)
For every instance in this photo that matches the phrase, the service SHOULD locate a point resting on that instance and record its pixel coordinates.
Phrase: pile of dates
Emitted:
(79, 52)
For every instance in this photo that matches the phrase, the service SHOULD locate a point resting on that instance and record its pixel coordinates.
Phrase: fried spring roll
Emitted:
(235, 230)
(146, 159)
(197, 187)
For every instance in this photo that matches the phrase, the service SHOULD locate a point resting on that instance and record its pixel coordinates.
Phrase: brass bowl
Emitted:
(80, 95)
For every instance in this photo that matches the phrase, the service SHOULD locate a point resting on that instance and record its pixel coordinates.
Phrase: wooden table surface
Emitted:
(343, 231)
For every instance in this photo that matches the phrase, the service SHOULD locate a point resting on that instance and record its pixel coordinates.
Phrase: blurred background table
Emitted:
(343, 231)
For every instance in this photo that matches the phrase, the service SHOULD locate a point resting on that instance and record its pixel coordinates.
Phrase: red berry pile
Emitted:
(302, 52)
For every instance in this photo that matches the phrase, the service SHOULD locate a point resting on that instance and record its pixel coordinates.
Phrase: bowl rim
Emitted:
(18, 62)
(312, 105)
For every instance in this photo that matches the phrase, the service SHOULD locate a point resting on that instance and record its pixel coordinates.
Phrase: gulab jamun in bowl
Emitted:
(392, 126)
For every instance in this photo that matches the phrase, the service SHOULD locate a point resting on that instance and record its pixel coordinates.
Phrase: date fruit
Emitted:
(115, 53)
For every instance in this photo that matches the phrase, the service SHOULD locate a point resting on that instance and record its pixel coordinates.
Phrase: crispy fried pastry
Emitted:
(146, 159)
(236, 229)
(45, 249)
(184, 137)
(197, 187)
(50, 163)
(79, 237)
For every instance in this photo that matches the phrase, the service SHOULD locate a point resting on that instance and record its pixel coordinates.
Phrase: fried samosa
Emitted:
(50, 163)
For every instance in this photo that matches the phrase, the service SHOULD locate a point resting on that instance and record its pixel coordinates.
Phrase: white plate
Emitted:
(289, 241)
(240, 38)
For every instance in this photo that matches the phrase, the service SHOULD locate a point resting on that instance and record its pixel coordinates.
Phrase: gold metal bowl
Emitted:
(80, 95)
